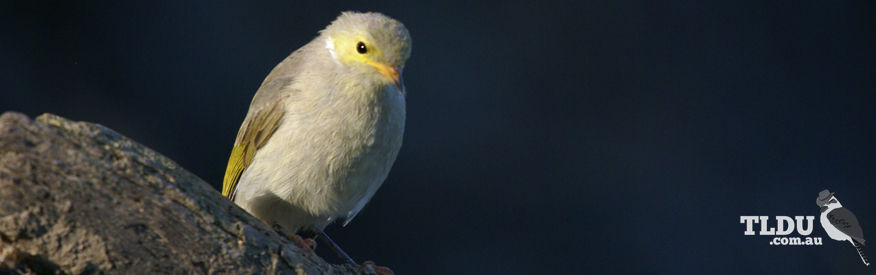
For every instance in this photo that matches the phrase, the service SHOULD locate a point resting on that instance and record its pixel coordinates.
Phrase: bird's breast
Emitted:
(333, 153)
(831, 230)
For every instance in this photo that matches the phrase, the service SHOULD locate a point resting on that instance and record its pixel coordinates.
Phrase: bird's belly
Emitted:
(322, 168)
(832, 232)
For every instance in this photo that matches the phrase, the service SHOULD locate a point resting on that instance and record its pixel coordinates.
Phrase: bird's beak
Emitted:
(392, 73)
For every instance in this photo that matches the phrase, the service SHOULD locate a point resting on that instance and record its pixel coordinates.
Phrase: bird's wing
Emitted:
(846, 222)
(263, 118)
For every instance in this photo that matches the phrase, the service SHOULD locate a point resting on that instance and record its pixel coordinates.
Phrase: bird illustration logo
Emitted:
(840, 223)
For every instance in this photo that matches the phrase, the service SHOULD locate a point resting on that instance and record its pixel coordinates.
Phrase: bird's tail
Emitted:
(858, 247)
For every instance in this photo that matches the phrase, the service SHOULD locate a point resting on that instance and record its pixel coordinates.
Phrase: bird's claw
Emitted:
(380, 270)
(306, 244)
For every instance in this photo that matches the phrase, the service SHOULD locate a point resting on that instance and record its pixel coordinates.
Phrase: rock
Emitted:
(77, 197)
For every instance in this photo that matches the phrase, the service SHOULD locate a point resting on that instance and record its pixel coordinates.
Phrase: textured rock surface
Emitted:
(77, 197)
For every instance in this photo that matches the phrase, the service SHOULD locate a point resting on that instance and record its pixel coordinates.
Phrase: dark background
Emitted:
(562, 137)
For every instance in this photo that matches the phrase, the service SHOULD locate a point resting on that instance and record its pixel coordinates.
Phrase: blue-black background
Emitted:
(549, 137)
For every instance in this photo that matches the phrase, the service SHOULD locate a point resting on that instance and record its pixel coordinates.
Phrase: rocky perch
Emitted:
(77, 197)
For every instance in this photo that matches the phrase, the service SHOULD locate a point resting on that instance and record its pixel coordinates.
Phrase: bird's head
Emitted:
(831, 204)
(371, 43)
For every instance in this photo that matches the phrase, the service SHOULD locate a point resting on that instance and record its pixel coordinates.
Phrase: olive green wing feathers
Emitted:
(261, 122)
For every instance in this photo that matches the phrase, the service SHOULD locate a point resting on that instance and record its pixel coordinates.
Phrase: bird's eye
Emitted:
(360, 47)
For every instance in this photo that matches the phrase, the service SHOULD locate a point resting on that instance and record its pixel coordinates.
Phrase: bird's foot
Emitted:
(306, 244)
(380, 270)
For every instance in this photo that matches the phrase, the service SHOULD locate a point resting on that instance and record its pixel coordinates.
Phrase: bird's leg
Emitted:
(306, 244)
(367, 266)
(335, 247)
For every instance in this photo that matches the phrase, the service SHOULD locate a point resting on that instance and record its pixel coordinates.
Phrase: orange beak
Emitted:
(391, 73)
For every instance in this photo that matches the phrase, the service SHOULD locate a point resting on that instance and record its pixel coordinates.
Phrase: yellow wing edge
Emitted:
(236, 164)
(254, 133)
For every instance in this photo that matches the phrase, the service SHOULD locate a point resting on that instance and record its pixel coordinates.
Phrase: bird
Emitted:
(325, 126)
(840, 223)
